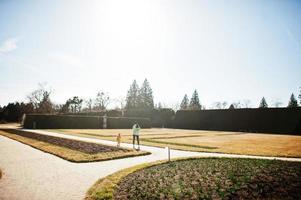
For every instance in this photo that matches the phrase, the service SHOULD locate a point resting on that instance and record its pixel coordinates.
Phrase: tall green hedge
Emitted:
(159, 117)
(128, 122)
(80, 122)
(267, 120)
(62, 122)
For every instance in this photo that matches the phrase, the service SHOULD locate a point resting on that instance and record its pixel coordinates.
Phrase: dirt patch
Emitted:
(86, 147)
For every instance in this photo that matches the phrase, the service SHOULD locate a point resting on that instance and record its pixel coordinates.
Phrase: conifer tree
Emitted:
(194, 101)
(185, 103)
(263, 103)
(292, 102)
(231, 106)
(145, 98)
(300, 95)
(132, 99)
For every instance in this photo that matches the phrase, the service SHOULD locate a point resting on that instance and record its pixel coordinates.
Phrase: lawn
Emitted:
(204, 141)
(72, 150)
(203, 178)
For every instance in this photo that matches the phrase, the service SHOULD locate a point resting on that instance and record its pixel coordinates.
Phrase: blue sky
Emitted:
(227, 50)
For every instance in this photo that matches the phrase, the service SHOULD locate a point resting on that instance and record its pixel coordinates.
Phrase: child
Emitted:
(118, 140)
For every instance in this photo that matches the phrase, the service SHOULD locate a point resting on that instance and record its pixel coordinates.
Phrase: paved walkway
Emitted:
(32, 174)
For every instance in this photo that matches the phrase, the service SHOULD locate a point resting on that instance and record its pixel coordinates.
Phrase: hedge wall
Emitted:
(80, 122)
(109, 113)
(266, 120)
(159, 117)
(127, 122)
(62, 122)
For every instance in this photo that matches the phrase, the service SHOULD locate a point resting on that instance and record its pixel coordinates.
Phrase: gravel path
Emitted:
(32, 174)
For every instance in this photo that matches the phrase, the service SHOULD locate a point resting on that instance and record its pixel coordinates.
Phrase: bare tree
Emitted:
(102, 100)
(120, 101)
(89, 103)
(224, 104)
(40, 99)
(246, 103)
(237, 104)
(217, 105)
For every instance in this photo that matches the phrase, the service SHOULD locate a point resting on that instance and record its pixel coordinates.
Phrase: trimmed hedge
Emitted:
(109, 113)
(128, 122)
(62, 122)
(159, 117)
(266, 120)
(80, 122)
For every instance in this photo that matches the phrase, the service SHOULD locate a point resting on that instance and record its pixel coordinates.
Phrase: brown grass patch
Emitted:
(73, 155)
(204, 141)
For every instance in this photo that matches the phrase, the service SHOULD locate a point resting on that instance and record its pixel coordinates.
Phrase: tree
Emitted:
(263, 103)
(175, 106)
(292, 102)
(195, 102)
(13, 112)
(300, 95)
(246, 103)
(40, 99)
(231, 106)
(89, 103)
(145, 97)
(132, 98)
(65, 108)
(217, 105)
(76, 104)
(72, 105)
(120, 101)
(224, 104)
(185, 103)
(235, 105)
(102, 101)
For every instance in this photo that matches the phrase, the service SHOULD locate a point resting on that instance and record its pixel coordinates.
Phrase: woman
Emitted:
(136, 129)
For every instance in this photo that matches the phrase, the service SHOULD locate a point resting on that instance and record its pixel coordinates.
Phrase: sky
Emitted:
(226, 50)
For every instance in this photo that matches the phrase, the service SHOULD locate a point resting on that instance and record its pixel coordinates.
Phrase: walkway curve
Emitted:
(32, 174)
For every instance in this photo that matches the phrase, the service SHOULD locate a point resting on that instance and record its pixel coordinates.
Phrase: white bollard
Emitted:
(168, 153)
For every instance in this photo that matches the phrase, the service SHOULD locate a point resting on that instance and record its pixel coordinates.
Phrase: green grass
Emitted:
(203, 178)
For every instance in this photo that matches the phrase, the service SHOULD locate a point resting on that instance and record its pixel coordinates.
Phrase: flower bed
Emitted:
(209, 178)
(85, 147)
(71, 150)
